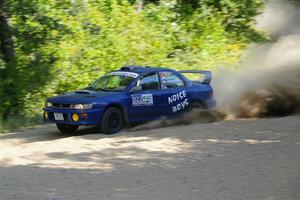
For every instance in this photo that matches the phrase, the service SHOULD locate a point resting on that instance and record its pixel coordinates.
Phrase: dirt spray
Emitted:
(268, 82)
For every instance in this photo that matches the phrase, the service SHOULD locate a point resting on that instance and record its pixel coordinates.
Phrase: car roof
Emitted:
(143, 69)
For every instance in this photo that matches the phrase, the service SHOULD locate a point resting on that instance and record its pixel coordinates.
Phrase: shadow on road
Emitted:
(240, 156)
(46, 133)
(49, 132)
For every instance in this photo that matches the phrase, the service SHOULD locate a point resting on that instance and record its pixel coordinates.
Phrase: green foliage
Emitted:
(64, 45)
(237, 15)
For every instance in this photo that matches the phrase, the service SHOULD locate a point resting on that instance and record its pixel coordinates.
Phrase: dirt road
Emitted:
(229, 160)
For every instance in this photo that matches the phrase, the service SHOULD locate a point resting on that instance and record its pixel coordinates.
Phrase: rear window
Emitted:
(170, 80)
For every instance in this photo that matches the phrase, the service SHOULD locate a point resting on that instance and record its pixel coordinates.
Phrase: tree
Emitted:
(54, 46)
(6, 36)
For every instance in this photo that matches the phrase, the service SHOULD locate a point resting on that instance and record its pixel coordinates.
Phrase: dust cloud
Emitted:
(195, 116)
(268, 82)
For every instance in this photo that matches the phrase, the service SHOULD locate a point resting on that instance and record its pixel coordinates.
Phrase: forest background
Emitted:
(51, 46)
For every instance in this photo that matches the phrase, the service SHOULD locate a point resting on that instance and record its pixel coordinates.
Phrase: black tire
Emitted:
(66, 128)
(112, 121)
(195, 105)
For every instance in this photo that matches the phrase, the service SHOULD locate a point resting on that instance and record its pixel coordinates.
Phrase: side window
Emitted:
(170, 80)
(149, 82)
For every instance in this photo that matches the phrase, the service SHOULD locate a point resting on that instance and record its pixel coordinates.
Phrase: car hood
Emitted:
(81, 97)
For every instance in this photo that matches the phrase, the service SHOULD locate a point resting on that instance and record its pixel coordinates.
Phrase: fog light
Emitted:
(46, 115)
(75, 117)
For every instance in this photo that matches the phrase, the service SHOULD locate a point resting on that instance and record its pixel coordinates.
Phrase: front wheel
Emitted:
(112, 121)
(66, 128)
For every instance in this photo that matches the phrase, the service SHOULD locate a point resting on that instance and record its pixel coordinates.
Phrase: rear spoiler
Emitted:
(207, 74)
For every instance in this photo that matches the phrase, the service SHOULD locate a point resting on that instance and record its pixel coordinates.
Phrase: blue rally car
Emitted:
(131, 94)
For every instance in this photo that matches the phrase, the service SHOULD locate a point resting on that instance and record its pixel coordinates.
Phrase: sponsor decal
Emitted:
(180, 99)
(142, 100)
(180, 106)
(131, 74)
(176, 97)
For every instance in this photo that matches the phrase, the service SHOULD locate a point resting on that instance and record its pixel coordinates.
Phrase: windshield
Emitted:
(114, 81)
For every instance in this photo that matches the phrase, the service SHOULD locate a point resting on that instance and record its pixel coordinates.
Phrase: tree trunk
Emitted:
(6, 36)
(140, 5)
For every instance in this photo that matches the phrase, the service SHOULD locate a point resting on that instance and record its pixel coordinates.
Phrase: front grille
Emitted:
(66, 118)
(58, 105)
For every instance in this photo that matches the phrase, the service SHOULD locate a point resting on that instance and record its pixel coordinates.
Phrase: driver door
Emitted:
(148, 103)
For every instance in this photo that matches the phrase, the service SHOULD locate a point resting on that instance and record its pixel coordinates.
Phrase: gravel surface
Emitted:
(231, 160)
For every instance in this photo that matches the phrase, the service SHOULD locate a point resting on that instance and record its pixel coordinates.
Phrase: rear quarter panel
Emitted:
(200, 92)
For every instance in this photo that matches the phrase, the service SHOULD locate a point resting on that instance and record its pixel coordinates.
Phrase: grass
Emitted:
(19, 123)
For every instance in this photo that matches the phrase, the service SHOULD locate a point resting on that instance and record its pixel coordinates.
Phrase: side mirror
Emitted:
(136, 88)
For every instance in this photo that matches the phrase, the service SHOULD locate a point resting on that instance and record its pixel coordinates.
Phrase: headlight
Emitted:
(48, 104)
(81, 106)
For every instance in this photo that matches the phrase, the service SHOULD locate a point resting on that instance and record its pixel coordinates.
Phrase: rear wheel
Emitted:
(66, 128)
(196, 112)
(195, 106)
(112, 121)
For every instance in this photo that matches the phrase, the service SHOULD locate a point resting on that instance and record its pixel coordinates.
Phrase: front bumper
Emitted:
(88, 117)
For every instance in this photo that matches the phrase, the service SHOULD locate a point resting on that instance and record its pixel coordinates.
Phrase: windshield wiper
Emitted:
(101, 89)
(89, 88)
(95, 89)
